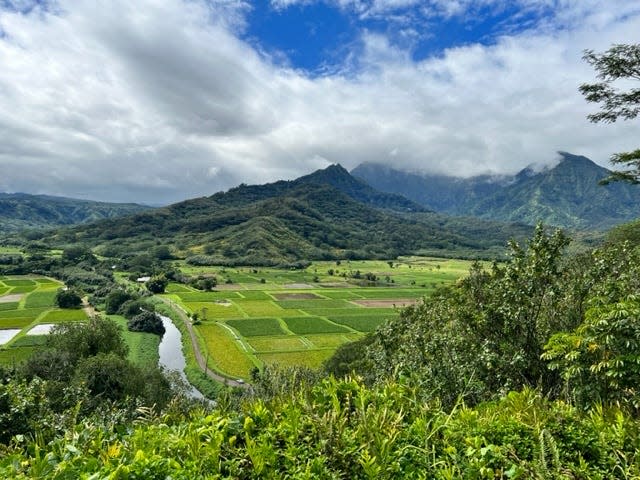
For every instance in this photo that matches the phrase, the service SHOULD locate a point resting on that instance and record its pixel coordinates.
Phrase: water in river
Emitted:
(171, 356)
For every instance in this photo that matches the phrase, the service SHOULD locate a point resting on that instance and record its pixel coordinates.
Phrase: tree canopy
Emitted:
(620, 63)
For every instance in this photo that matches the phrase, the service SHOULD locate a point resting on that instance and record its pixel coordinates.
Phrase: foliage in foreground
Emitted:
(342, 429)
(568, 326)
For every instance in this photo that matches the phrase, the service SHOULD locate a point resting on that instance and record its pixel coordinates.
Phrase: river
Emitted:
(171, 356)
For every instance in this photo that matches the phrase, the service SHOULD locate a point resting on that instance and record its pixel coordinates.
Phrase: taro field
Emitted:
(27, 313)
(258, 316)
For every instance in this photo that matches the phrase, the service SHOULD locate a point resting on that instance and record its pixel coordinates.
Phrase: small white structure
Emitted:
(143, 279)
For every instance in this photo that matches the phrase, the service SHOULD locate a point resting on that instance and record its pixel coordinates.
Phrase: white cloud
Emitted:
(160, 100)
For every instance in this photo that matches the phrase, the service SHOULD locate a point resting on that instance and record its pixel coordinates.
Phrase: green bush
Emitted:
(68, 299)
(148, 322)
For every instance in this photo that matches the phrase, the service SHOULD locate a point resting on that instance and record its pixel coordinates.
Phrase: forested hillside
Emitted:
(566, 195)
(20, 211)
(285, 222)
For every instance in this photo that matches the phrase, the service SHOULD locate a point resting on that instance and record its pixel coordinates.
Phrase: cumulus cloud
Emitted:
(158, 101)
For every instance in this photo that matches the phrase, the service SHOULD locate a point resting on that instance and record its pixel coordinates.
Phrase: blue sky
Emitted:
(161, 100)
(320, 36)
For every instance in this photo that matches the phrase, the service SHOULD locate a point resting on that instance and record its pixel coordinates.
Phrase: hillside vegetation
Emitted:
(284, 222)
(21, 211)
(566, 195)
(527, 369)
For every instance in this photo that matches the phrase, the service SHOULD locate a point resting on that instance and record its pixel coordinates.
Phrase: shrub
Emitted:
(68, 299)
(148, 322)
(157, 284)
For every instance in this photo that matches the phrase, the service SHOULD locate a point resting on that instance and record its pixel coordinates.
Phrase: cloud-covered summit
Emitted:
(156, 101)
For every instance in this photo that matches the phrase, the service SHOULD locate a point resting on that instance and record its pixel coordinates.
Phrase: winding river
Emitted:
(171, 356)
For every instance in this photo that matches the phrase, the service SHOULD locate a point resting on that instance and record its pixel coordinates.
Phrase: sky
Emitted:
(156, 101)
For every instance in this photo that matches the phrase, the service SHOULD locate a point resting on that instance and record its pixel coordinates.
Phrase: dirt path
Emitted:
(196, 349)
(88, 308)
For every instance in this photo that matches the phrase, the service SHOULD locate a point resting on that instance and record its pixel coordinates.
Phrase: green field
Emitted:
(143, 347)
(25, 302)
(299, 317)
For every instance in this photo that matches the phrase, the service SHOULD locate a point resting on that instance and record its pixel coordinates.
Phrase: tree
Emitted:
(148, 322)
(157, 284)
(115, 299)
(68, 299)
(620, 62)
(86, 339)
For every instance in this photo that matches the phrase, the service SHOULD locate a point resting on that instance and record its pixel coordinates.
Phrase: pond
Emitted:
(41, 329)
(6, 335)
(171, 356)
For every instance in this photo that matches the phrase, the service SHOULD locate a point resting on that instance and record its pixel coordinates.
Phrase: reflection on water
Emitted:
(6, 335)
(171, 356)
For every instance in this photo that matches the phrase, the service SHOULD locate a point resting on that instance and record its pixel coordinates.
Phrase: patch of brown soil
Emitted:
(298, 285)
(387, 303)
(16, 297)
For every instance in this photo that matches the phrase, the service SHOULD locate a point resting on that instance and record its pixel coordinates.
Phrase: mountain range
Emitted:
(565, 195)
(325, 215)
(20, 211)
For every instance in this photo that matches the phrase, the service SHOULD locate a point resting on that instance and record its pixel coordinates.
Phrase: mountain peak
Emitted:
(338, 177)
(576, 160)
(333, 171)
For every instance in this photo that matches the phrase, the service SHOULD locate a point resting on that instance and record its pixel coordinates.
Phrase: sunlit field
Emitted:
(258, 316)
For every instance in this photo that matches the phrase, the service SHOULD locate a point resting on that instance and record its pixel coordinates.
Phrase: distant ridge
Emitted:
(21, 210)
(566, 195)
(335, 176)
(287, 221)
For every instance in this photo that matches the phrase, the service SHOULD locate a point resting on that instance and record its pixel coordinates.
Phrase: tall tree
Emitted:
(618, 64)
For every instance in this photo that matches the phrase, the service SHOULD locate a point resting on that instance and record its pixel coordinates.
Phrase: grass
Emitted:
(44, 298)
(214, 311)
(257, 308)
(23, 312)
(143, 347)
(9, 306)
(13, 282)
(315, 304)
(191, 297)
(224, 352)
(363, 324)
(304, 325)
(354, 311)
(318, 325)
(17, 322)
(259, 311)
(254, 295)
(24, 288)
(177, 288)
(29, 341)
(17, 355)
(251, 327)
(339, 294)
(331, 341)
(277, 344)
(391, 293)
(59, 316)
(311, 358)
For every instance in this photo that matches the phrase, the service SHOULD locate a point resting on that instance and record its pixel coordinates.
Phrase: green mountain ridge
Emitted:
(335, 176)
(285, 222)
(20, 210)
(566, 195)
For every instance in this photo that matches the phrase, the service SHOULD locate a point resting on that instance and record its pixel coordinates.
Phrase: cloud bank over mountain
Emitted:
(157, 101)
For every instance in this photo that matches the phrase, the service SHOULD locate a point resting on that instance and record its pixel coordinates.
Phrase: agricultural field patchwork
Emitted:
(257, 316)
(27, 313)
